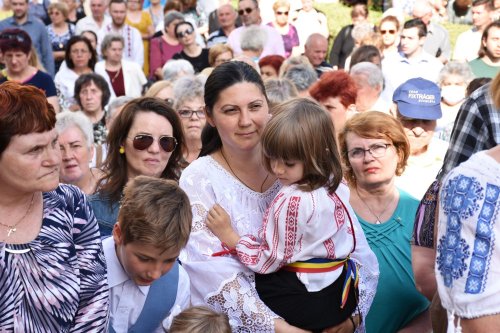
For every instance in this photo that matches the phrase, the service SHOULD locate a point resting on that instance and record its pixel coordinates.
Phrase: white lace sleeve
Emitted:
(222, 282)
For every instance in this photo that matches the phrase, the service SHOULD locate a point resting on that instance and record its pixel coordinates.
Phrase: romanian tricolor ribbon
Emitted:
(321, 265)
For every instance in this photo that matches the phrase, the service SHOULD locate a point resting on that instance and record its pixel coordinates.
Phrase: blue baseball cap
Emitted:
(418, 99)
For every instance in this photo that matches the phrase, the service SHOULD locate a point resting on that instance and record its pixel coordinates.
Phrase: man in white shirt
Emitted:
(412, 61)
(250, 15)
(133, 49)
(469, 42)
(96, 21)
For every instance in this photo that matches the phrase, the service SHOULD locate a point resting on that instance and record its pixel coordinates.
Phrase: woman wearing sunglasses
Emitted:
(191, 51)
(145, 139)
(389, 29)
(287, 31)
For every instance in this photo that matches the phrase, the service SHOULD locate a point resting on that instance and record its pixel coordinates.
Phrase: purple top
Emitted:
(160, 52)
(290, 40)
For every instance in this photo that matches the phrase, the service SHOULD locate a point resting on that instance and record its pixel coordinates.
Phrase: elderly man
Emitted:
(250, 15)
(315, 49)
(226, 16)
(469, 42)
(370, 82)
(133, 49)
(437, 42)
(35, 28)
(418, 107)
(97, 20)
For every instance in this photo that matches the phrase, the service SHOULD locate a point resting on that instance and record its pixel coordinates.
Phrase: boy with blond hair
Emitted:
(147, 284)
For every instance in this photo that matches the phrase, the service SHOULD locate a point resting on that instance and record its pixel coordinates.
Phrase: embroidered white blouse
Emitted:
(223, 282)
(299, 226)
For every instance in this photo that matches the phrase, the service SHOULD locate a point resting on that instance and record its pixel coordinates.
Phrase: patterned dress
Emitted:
(59, 284)
(468, 254)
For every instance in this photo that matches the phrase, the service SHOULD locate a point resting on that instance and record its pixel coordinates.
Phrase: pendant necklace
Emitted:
(232, 171)
(378, 220)
(13, 228)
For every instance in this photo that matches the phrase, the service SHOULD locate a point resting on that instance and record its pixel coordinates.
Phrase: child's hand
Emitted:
(219, 222)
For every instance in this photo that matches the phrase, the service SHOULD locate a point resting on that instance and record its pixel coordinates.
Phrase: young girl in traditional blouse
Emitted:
(308, 228)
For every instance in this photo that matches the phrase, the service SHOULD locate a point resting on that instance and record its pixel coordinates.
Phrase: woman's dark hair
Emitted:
(183, 23)
(72, 41)
(115, 165)
(365, 53)
(14, 40)
(86, 79)
(24, 110)
(221, 78)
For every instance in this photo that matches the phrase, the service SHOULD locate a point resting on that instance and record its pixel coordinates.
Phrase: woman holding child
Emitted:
(52, 269)
(230, 173)
(145, 139)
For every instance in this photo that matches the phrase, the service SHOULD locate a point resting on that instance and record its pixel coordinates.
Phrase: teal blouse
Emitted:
(397, 300)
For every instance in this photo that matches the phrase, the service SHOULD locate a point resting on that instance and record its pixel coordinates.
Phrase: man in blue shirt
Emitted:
(35, 28)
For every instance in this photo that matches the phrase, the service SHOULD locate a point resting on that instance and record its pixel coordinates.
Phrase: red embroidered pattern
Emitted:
(291, 227)
(339, 211)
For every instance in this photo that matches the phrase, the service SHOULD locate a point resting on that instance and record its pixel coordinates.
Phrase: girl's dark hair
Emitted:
(115, 164)
(302, 130)
(221, 78)
(365, 53)
(72, 41)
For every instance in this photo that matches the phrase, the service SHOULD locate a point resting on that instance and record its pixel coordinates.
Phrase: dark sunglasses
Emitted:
(281, 13)
(392, 32)
(17, 37)
(246, 10)
(144, 141)
(186, 32)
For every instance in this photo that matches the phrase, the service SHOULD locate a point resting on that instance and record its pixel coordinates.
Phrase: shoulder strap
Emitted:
(161, 297)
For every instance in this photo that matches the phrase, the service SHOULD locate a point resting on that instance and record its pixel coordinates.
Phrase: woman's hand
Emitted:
(345, 327)
(281, 326)
(219, 222)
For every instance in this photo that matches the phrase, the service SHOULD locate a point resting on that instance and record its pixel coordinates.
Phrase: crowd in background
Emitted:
(182, 90)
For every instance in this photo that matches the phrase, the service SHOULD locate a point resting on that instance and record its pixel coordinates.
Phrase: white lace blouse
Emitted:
(222, 282)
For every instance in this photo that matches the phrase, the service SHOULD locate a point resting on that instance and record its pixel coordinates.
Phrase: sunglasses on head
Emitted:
(144, 141)
(246, 10)
(17, 37)
(392, 32)
(281, 13)
(186, 32)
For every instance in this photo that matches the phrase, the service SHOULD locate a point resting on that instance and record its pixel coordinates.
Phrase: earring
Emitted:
(122, 150)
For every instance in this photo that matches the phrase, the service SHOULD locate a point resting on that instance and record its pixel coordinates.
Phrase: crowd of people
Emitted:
(190, 166)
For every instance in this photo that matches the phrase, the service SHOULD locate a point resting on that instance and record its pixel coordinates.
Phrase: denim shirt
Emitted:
(105, 211)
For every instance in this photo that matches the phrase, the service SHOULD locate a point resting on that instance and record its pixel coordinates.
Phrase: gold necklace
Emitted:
(13, 228)
(377, 221)
(234, 173)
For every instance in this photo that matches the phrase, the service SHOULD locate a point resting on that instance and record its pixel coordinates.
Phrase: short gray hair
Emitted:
(372, 73)
(188, 88)
(67, 119)
(175, 68)
(362, 31)
(302, 76)
(253, 38)
(279, 91)
(171, 16)
(115, 104)
(456, 68)
(108, 39)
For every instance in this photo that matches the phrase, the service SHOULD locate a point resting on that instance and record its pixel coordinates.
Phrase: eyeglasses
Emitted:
(55, 13)
(187, 113)
(376, 150)
(186, 32)
(246, 10)
(392, 32)
(281, 13)
(144, 141)
(17, 37)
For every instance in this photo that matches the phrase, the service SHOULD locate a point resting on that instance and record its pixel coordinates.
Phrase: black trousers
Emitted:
(287, 296)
